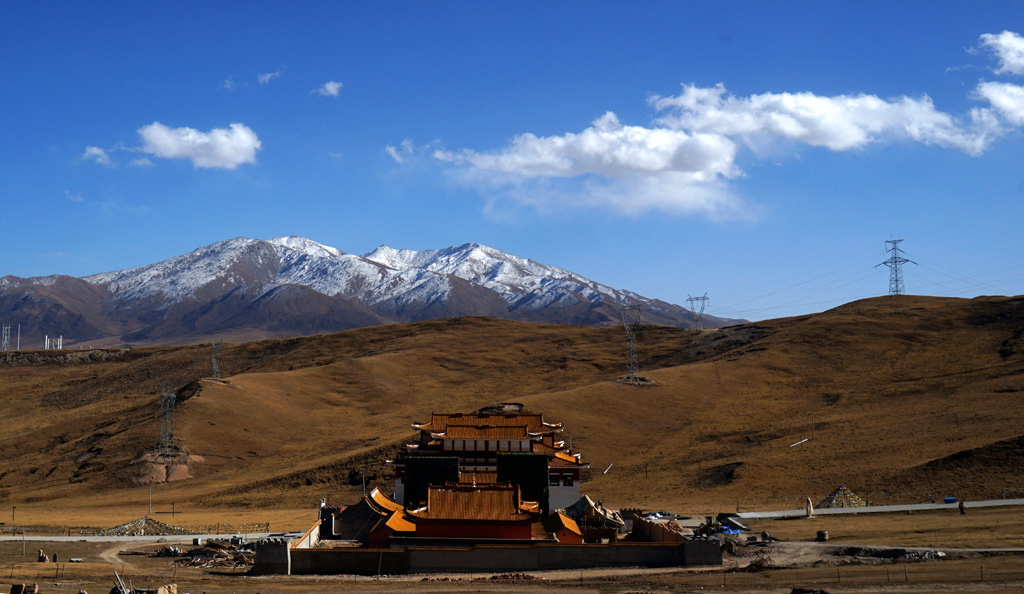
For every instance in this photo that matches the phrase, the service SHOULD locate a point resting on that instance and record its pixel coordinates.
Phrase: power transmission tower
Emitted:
(216, 348)
(631, 322)
(167, 402)
(697, 307)
(5, 338)
(895, 264)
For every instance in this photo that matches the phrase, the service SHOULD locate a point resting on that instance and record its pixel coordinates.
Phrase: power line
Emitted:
(799, 284)
(837, 300)
(968, 279)
(830, 286)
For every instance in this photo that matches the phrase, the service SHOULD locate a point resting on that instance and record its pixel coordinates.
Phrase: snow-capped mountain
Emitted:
(292, 285)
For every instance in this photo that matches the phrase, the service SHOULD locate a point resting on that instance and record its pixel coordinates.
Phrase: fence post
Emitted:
(906, 573)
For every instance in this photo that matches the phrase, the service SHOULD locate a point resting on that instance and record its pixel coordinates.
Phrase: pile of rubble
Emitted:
(235, 553)
(677, 528)
(121, 588)
(514, 577)
(220, 553)
(503, 577)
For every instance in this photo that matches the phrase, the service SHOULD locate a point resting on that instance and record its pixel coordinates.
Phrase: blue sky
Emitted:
(759, 152)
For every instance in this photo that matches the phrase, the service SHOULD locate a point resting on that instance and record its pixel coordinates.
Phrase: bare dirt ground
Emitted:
(981, 574)
(990, 527)
(869, 553)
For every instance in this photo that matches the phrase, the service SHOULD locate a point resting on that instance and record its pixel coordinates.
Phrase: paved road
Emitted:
(876, 509)
(152, 538)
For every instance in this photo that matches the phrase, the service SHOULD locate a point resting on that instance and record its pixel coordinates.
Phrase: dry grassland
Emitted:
(912, 398)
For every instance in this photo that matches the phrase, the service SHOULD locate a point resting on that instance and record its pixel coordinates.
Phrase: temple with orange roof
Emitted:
(491, 490)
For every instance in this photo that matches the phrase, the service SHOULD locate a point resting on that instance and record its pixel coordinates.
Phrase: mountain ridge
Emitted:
(235, 288)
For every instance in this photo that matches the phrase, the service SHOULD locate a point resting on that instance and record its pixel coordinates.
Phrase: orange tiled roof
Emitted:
(561, 459)
(399, 523)
(534, 422)
(383, 501)
(496, 503)
(538, 447)
(568, 523)
(484, 432)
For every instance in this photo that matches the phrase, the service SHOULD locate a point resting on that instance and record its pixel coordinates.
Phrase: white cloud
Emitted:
(685, 159)
(609, 149)
(224, 148)
(683, 162)
(74, 196)
(401, 152)
(228, 84)
(1007, 99)
(630, 169)
(97, 154)
(1008, 48)
(142, 162)
(839, 123)
(265, 78)
(329, 89)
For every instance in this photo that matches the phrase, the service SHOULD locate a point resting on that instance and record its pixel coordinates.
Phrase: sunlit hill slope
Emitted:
(909, 395)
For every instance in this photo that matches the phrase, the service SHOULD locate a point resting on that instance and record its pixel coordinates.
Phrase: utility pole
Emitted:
(167, 402)
(631, 322)
(216, 348)
(697, 307)
(895, 264)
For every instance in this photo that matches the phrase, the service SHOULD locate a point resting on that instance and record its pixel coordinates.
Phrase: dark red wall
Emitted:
(521, 531)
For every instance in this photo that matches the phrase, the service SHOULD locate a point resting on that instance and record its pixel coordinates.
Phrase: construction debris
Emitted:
(219, 553)
(502, 577)
(514, 577)
(215, 553)
(121, 588)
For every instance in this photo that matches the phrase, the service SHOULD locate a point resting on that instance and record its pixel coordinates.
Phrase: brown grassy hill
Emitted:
(909, 394)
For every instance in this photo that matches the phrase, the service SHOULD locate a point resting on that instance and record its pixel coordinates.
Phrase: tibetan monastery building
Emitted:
(481, 491)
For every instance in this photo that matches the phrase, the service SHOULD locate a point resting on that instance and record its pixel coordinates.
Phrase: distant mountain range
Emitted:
(243, 289)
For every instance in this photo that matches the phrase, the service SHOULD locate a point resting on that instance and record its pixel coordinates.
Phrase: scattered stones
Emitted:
(500, 577)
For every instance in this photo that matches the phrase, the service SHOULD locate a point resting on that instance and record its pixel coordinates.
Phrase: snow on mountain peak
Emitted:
(306, 246)
(520, 281)
(389, 256)
(385, 274)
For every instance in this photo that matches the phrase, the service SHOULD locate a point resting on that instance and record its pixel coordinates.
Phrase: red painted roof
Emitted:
(495, 503)
(534, 422)
(484, 432)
